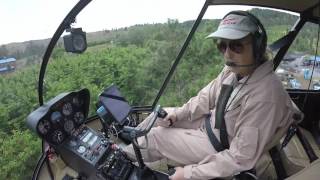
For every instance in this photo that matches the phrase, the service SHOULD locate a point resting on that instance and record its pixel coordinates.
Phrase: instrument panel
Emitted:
(62, 119)
(61, 116)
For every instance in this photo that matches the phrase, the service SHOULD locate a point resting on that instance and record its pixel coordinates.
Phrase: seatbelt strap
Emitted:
(220, 123)
(213, 139)
(292, 130)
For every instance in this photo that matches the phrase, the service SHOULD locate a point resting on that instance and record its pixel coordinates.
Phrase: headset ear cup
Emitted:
(258, 47)
(261, 43)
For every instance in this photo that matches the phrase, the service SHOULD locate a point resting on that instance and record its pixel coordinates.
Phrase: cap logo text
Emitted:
(230, 21)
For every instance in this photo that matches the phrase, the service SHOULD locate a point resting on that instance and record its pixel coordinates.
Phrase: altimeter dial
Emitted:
(68, 126)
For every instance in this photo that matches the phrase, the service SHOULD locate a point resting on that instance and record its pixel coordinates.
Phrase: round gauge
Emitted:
(79, 117)
(56, 117)
(76, 101)
(44, 127)
(81, 149)
(67, 109)
(68, 126)
(57, 136)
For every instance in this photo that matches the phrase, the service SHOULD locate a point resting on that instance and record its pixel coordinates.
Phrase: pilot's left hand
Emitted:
(178, 175)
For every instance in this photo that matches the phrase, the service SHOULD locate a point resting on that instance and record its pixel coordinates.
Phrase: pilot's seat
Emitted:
(310, 172)
(294, 158)
(264, 168)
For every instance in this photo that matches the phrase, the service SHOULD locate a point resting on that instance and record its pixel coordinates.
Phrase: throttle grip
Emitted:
(162, 113)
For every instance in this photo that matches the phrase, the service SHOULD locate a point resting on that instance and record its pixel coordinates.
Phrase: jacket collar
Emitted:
(259, 73)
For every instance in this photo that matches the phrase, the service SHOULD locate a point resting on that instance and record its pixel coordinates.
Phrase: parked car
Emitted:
(316, 86)
(295, 84)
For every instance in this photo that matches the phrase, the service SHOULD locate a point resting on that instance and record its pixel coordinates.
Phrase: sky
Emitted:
(23, 20)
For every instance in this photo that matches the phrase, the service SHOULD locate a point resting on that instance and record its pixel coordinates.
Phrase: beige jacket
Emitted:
(256, 109)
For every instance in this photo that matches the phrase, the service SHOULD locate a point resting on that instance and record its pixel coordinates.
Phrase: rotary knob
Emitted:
(81, 149)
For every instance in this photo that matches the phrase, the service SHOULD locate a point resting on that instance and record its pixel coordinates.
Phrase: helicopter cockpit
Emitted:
(83, 131)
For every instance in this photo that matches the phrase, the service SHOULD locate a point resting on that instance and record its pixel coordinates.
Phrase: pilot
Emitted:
(224, 129)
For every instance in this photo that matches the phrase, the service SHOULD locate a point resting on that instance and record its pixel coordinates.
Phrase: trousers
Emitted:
(180, 145)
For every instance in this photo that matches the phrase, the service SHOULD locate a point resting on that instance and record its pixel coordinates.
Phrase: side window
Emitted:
(300, 66)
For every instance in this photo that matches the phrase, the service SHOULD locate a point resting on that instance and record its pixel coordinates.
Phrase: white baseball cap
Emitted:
(234, 27)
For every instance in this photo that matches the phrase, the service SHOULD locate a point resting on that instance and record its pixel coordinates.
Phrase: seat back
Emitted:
(281, 132)
(263, 166)
(311, 172)
(294, 155)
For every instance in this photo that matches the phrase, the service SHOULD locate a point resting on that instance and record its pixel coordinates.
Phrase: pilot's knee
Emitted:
(155, 138)
(159, 135)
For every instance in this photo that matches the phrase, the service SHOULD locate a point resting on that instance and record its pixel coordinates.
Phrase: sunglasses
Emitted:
(235, 46)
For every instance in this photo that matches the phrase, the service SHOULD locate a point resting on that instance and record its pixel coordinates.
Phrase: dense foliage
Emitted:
(136, 59)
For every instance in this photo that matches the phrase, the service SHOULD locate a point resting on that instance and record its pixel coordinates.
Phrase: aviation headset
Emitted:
(259, 43)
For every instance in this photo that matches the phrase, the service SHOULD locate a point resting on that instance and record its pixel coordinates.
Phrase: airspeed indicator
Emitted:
(67, 109)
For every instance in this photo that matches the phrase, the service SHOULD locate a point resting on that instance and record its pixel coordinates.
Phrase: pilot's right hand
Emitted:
(168, 121)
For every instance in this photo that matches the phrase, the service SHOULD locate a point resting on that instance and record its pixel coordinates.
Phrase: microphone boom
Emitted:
(232, 64)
